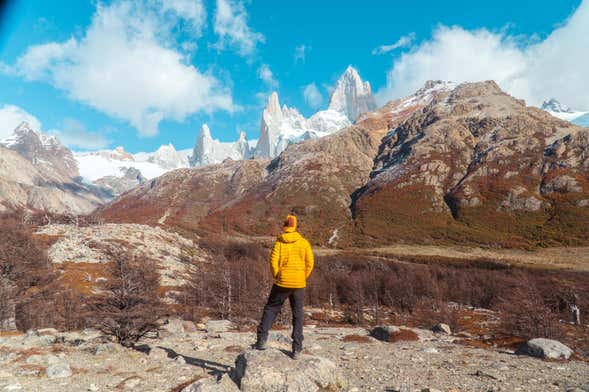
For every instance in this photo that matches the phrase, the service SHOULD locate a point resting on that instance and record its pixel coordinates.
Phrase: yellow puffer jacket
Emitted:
(291, 261)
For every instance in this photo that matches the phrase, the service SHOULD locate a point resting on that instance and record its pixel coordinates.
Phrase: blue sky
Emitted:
(142, 73)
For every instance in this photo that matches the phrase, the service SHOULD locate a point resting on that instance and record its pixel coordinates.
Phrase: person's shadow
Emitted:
(214, 368)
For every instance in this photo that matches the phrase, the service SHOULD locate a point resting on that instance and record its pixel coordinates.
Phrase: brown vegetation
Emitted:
(129, 307)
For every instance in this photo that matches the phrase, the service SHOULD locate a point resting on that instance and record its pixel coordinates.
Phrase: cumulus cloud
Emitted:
(231, 25)
(126, 66)
(313, 96)
(402, 42)
(74, 134)
(12, 116)
(300, 53)
(193, 11)
(526, 68)
(267, 76)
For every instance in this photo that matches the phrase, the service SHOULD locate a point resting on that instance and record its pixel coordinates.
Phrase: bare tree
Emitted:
(130, 306)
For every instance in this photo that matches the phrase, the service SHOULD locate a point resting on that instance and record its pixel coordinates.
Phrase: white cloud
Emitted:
(193, 11)
(231, 25)
(126, 66)
(12, 116)
(402, 42)
(300, 53)
(313, 96)
(267, 76)
(533, 69)
(75, 134)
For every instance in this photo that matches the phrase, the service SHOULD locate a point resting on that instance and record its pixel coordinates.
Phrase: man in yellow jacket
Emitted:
(291, 263)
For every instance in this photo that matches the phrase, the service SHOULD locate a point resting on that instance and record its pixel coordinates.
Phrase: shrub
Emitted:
(130, 306)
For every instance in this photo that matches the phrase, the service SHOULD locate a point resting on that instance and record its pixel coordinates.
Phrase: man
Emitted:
(291, 263)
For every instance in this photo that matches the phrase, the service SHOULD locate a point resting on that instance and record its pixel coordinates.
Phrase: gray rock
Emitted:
(58, 370)
(174, 327)
(279, 337)
(545, 348)
(212, 385)
(105, 348)
(442, 328)
(272, 370)
(215, 327)
(45, 360)
(13, 387)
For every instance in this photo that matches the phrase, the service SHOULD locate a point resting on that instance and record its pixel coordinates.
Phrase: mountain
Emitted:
(315, 178)
(128, 179)
(452, 163)
(44, 151)
(106, 167)
(209, 151)
(38, 173)
(557, 109)
(281, 127)
(166, 157)
(478, 164)
(351, 95)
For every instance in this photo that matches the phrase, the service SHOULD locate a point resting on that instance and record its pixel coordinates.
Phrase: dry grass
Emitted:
(356, 339)
(180, 387)
(403, 335)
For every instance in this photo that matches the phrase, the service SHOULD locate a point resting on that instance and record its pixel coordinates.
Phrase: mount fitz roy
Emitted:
(44, 175)
(281, 126)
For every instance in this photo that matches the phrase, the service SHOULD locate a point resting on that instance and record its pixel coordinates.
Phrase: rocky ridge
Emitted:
(37, 173)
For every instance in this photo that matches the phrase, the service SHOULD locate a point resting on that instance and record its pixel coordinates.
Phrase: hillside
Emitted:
(449, 164)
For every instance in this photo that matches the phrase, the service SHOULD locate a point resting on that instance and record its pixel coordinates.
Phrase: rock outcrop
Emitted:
(351, 95)
(273, 370)
(545, 348)
(209, 151)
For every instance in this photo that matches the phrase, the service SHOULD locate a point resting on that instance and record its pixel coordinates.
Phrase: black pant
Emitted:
(296, 298)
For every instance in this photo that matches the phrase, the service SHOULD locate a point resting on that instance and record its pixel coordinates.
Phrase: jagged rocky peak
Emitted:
(209, 151)
(553, 105)
(44, 151)
(352, 96)
(168, 157)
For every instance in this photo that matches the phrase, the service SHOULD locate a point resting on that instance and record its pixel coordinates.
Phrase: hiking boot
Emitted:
(260, 345)
(296, 354)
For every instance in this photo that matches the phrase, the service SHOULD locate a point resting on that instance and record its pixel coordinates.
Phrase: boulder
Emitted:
(58, 370)
(174, 327)
(225, 384)
(442, 328)
(104, 348)
(45, 360)
(272, 370)
(545, 348)
(215, 327)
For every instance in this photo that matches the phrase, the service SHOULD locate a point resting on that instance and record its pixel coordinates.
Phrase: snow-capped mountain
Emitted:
(95, 165)
(208, 151)
(351, 95)
(557, 109)
(44, 151)
(282, 126)
(166, 157)
(38, 173)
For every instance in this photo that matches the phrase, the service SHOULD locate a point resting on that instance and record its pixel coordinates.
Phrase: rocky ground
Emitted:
(84, 361)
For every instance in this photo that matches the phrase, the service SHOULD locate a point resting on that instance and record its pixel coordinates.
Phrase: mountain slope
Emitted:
(38, 173)
(314, 178)
(478, 165)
